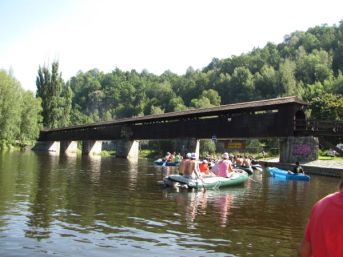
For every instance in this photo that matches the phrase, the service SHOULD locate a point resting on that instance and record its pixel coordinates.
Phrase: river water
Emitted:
(103, 206)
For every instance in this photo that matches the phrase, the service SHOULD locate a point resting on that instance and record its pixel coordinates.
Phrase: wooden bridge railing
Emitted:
(318, 127)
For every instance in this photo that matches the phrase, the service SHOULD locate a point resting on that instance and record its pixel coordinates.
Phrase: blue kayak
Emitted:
(276, 172)
(164, 163)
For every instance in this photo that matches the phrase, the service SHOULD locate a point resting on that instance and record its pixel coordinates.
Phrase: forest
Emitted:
(306, 64)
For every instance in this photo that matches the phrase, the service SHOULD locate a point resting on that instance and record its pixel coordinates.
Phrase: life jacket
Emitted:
(203, 167)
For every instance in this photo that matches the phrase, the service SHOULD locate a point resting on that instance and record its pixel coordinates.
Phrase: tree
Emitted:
(176, 104)
(327, 107)
(338, 84)
(19, 113)
(287, 81)
(50, 86)
(314, 67)
(31, 119)
(213, 96)
(266, 82)
(10, 98)
(207, 147)
(242, 86)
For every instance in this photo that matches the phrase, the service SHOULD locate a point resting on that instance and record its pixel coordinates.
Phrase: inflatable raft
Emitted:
(206, 182)
(276, 172)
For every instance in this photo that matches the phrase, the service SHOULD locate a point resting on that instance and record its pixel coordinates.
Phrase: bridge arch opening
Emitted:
(300, 118)
(300, 115)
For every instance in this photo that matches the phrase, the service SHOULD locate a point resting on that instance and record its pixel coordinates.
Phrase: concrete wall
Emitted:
(302, 149)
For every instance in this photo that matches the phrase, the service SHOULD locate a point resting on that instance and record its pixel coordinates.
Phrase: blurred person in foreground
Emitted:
(324, 231)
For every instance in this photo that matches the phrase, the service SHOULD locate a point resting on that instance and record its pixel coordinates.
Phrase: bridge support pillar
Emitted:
(127, 149)
(68, 147)
(90, 147)
(47, 146)
(302, 149)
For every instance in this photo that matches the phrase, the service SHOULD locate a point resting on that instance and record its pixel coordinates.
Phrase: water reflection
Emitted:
(132, 173)
(41, 197)
(224, 203)
(199, 202)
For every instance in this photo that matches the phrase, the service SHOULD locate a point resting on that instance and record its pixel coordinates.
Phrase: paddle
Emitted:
(165, 163)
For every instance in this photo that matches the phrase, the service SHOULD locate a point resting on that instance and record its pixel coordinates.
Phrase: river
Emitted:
(103, 206)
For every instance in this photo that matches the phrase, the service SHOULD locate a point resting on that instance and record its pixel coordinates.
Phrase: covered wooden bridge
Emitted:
(279, 117)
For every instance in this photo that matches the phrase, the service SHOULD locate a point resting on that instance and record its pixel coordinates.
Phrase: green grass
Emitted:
(105, 153)
(149, 154)
(322, 157)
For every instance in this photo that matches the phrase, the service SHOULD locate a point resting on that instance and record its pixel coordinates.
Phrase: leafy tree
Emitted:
(19, 113)
(287, 83)
(202, 102)
(266, 82)
(10, 98)
(176, 104)
(207, 147)
(213, 96)
(66, 105)
(242, 86)
(30, 122)
(50, 86)
(314, 67)
(338, 84)
(327, 107)
(156, 110)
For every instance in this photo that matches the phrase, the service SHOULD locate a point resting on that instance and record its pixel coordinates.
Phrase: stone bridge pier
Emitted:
(127, 149)
(301, 149)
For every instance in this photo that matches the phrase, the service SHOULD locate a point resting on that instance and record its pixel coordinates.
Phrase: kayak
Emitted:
(164, 163)
(256, 167)
(276, 172)
(237, 178)
(248, 170)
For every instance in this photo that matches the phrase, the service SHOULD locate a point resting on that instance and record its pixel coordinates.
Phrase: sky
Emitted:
(155, 35)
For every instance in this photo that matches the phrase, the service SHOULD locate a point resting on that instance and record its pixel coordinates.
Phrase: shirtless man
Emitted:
(182, 165)
(246, 161)
(190, 166)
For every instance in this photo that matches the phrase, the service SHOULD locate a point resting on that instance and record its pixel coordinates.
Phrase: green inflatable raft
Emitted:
(237, 178)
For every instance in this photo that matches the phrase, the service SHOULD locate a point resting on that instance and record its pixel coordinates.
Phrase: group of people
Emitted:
(173, 157)
(190, 167)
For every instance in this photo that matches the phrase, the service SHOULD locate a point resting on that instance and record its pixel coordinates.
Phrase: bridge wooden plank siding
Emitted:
(318, 128)
(256, 119)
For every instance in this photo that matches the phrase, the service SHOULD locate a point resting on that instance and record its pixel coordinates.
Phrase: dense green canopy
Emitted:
(19, 113)
(307, 64)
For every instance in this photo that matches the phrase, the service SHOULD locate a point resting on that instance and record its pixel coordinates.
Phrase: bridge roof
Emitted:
(260, 105)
